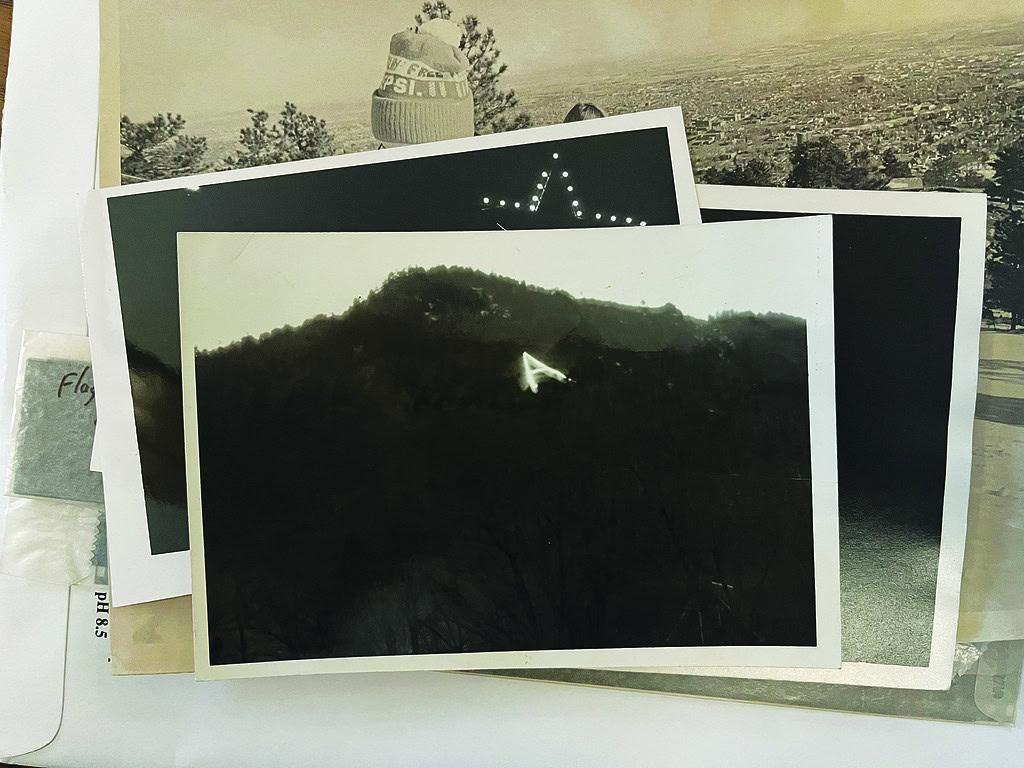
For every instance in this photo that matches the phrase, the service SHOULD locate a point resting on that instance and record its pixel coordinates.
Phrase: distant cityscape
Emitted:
(928, 108)
(909, 92)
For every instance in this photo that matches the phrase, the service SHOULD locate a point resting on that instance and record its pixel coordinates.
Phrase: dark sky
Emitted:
(896, 281)
(628, 172)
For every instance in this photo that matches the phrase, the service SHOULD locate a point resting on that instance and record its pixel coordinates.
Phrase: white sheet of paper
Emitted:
(46, 157)
(388, 719)
(94, 460)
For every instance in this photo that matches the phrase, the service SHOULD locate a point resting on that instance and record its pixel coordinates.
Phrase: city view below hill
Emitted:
(906, 91)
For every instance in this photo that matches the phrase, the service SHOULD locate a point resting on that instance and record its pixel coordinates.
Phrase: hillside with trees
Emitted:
(384, 482)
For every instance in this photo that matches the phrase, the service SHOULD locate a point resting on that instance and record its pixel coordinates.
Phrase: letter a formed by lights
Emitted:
(534, 369)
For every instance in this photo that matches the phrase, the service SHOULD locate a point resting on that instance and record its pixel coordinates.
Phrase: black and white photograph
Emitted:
(838, 94)
(852, 92)
(460, 449)
(906, 373)
(626, 172)
(606, 383)
(906, 96)
(463, 382)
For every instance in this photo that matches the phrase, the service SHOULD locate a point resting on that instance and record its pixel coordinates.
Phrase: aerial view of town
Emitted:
(910, 92)
(923, 107)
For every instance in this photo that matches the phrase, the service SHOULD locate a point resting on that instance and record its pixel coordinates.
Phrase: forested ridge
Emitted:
(383, 481)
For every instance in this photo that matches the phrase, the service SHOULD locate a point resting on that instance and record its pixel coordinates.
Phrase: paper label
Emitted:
(53, 433)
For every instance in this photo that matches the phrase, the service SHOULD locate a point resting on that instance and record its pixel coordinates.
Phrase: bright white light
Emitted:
(540, 186)
(597, 215)
(579, 213)
(517, 205)
(629, 219)
(613, 218)
(643, 223)
(569, 188)
(544, 174)
(534, 369)
(565, 174)
(487, 200)
(501, 202)
(555, 155)
(533, 207)
(575, 203)
(536, 198)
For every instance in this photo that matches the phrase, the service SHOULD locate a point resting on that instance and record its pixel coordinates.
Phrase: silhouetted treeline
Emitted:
(382, 482)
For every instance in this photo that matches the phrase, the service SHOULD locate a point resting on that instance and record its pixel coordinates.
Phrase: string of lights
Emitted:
(576, 207)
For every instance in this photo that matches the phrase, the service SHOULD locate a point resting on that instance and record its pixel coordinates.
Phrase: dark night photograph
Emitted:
(624, 178)
(464, 461)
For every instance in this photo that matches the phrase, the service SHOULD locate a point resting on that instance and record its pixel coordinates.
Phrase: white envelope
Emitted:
(48, 155)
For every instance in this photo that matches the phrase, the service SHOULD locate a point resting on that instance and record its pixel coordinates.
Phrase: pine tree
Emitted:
(295, 136)
(822, 164)
(1006, 265)
(157, 149)
(494, 109)
(945, 169)
(1008, 182)
(893, 167)
(752, 173)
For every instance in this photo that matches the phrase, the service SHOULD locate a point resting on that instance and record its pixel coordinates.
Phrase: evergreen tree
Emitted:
(971, 180)
(822, 164)
(1008, 182)
(1006, 265)
(752, 173)
(494, 110)
(893, 167)
(157, 149)
(945, 170)
(295, 136)
(859, 174)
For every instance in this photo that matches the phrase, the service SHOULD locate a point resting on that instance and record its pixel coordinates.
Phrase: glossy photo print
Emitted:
(985, 688)
(909, 93)
(627, 172)
(851, 94)
(434, 451)
(906, 373)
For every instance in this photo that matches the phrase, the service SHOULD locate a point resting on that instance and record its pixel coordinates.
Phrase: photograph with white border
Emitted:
(627, 171)
(909, 276)
(461, 450)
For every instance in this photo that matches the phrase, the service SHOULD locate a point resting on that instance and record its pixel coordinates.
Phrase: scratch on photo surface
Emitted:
(245, 245)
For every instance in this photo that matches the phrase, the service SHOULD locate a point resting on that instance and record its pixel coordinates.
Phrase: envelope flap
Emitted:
(33, 628)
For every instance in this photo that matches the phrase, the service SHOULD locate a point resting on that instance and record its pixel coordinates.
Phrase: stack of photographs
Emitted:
(430, 423)
(636, 167)
(528, 619)
(497, 403)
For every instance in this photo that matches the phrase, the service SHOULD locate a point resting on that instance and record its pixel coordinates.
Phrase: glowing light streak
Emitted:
(534, 369)
(576, 209)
